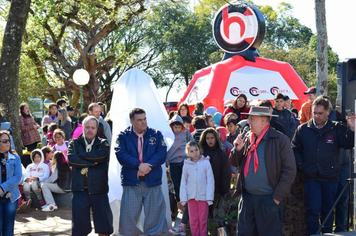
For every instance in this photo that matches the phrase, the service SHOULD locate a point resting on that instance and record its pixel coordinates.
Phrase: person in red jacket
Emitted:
(239, 105)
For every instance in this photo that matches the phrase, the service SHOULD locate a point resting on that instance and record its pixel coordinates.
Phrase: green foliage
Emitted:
(166, 39)
(183, 40)
(104, 37)
(282, 29)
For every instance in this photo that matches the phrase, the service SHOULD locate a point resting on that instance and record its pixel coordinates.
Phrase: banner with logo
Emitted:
(257, 83)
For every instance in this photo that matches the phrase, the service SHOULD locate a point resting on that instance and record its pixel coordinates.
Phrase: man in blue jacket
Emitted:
(141, 151)
(89, 155)
(316, 147)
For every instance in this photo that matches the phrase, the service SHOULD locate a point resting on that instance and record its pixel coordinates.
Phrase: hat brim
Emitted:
(259, 114)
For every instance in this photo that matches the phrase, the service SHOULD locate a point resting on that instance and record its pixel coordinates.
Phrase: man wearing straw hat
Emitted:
(267, 170)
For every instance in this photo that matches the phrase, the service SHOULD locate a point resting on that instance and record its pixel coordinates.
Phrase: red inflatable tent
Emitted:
(257, 80)
(239, 29)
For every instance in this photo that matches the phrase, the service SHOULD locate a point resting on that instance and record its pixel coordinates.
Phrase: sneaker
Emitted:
(179, 230)
(44, 206)
(28, 204)
(22, 208)
(50, 207)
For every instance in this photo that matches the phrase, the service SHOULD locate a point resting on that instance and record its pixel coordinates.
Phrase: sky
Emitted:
(340, 26)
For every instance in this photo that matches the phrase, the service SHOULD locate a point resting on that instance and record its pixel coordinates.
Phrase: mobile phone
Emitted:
(348, 112)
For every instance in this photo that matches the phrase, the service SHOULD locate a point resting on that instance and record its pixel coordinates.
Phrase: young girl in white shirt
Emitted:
(197, 188)
(61, 144)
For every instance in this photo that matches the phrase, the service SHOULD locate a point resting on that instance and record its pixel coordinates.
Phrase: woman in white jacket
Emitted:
(58, 182)
(197, 188)
(35, 174)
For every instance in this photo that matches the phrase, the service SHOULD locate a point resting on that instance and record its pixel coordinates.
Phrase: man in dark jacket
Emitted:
(141, 151)
(316, 146)
(89, 155)
(267, 170)
(284, 116)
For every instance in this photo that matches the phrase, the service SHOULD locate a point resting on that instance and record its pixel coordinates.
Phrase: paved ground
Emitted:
(35, 222)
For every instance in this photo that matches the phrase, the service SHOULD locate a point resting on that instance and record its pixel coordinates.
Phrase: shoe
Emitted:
(179, 230)
(50, 207)
(28, 204)
(22, 208)
(44, 206)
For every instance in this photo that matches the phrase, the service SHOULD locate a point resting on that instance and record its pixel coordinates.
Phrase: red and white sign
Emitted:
(236, 28)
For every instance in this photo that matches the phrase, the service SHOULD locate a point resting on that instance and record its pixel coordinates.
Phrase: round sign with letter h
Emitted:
(238, 26)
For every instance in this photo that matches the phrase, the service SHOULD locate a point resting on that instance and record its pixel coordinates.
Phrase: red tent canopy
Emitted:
(258, 80)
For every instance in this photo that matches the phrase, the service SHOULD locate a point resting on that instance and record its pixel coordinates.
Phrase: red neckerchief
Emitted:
(254, 148)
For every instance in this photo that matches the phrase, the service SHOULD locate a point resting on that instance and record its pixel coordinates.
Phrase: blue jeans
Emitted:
(7, 216)
(320, 197)
(341, 208)
(176, 169)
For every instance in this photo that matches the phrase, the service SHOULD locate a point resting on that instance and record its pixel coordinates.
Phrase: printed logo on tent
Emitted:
(254, 91)
(274, 90)
(237, 26)
(257, 92)
(236, 91)
(330, 139)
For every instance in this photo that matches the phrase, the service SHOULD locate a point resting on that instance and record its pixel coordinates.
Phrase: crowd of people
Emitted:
(250, 153)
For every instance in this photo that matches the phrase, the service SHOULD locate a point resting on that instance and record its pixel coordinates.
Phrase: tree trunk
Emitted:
(321, 48)
(9, 65)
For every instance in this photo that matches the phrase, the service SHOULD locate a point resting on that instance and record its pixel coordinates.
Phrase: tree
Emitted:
(322, 48)
(9, 64)
(183, 40)
(282, 29)
(103, 37)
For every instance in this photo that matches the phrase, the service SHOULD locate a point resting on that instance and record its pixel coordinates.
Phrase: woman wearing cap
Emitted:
(239, 105)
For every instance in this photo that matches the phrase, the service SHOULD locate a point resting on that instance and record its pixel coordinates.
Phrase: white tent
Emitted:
(135, 88)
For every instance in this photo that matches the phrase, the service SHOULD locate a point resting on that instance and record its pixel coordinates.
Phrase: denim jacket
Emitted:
(13, 177)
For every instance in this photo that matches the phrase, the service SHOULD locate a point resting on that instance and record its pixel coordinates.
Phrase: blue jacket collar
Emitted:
(11, 156)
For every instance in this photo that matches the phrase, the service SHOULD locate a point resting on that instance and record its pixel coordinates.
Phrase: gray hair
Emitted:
(88, 118)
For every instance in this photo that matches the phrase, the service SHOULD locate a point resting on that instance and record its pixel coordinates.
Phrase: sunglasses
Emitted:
(5, 140)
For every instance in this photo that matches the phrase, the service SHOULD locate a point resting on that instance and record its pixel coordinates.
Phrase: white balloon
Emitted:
(135, 88)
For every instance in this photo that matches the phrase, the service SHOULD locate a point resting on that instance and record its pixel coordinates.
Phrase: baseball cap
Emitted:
(70, 108)
(286, 97)
(310, 90)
